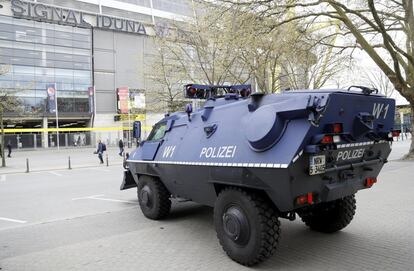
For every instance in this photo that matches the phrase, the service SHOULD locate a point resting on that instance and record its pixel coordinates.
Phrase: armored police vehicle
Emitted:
(256, 158)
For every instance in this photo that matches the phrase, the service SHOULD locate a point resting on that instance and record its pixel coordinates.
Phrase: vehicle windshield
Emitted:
(157, 132)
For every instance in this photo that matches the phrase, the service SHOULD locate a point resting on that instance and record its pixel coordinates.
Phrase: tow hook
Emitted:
(290, 215)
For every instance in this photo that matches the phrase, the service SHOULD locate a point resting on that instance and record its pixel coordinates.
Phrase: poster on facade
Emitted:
(123, 99)
(137, 98)
(51, 97)
(91, 96)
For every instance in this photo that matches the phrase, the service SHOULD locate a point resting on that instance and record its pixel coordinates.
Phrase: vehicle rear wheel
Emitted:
(329, 217)
(153, 198)
(247, 226)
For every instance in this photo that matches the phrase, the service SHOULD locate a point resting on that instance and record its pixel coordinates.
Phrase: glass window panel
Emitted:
(63, 57)
(81, 37)
(6, 76)
(64, 72)
(24, 84)
(6, 51)
(5, 19)
(41, 93)
(63, 64)
(23, 77)
(63, 42)
(23, 69)
(82, 66)
(78, 73)
(81, 87)
(83, 31)
(42, 85)
(6, 43)
(64, 79)
(84, 59)
(63, 50)
(44, 71)
(6, 35)
(6, 83)
(64, 35)
(26, 53)
(5, 59)
(26, 93)
(22, 61)
(81, 44)
(22, 45)
(83, 52)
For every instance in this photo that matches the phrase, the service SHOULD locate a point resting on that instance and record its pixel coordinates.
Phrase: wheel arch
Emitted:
(218, 187)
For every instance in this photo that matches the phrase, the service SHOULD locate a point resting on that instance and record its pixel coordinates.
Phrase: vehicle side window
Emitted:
(157, 132)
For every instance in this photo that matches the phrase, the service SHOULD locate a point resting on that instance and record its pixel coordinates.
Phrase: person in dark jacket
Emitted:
(100, 150)
(9, 148)
(121, 147)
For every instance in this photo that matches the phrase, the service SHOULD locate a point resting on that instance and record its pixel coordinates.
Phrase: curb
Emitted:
(59, 169)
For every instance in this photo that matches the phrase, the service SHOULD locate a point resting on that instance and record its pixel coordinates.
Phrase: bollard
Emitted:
(107, 160)
(27, 165)
(70, 166)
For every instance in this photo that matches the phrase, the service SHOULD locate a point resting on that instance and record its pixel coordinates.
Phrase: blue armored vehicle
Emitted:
(256, 158)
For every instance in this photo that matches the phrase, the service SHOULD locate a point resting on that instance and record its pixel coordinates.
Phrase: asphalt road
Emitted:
(79, 220)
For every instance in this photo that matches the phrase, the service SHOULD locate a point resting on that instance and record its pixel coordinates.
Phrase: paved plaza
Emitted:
(59, 219)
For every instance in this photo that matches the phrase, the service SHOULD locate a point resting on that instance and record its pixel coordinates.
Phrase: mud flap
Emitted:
(128, 181)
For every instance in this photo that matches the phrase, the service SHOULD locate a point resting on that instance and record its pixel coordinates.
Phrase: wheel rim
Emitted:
(236, 225)
(146, 197)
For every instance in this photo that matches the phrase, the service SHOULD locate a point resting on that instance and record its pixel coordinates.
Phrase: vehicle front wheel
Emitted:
(329, 217)
(247, 226)
(153, 198)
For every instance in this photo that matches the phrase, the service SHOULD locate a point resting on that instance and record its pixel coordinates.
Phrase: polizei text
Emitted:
(350, 154)
(218, 152)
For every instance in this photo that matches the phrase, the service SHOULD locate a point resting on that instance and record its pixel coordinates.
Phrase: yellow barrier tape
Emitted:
(85, 129)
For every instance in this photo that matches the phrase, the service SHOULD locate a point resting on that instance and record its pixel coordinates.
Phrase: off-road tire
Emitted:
(330, 217)
(264, 226)
(159, 201)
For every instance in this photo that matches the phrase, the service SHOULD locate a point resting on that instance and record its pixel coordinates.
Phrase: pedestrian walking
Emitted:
(9, 148)
(121, 147)
(100, 151)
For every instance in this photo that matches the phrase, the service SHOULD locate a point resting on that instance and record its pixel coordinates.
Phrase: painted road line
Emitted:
(13, 220)
(116, 200)
(88, 197)
(99, 197)
(3, 178)
(55, 173)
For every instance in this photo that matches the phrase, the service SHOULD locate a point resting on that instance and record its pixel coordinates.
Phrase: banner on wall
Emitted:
(91, 97)
(123, 99)
(51, 97)
(136, 99)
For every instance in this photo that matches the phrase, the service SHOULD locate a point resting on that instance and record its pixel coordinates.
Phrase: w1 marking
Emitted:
(379, 108)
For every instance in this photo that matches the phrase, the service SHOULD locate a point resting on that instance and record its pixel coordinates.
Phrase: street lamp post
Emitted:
(57, 118)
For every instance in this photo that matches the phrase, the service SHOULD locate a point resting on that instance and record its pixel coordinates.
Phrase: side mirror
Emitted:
(136, 130)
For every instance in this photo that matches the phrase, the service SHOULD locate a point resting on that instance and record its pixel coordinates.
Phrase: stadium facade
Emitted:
(82, 63)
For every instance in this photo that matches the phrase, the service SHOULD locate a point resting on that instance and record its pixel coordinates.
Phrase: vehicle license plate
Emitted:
(317, 164)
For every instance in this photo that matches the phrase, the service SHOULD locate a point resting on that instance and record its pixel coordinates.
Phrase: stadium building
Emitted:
(80, 64)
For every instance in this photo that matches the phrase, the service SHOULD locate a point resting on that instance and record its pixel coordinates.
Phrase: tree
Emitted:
(384, 29)
(166, 79)
(378, 80)
(239, 47)
(8, 103)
